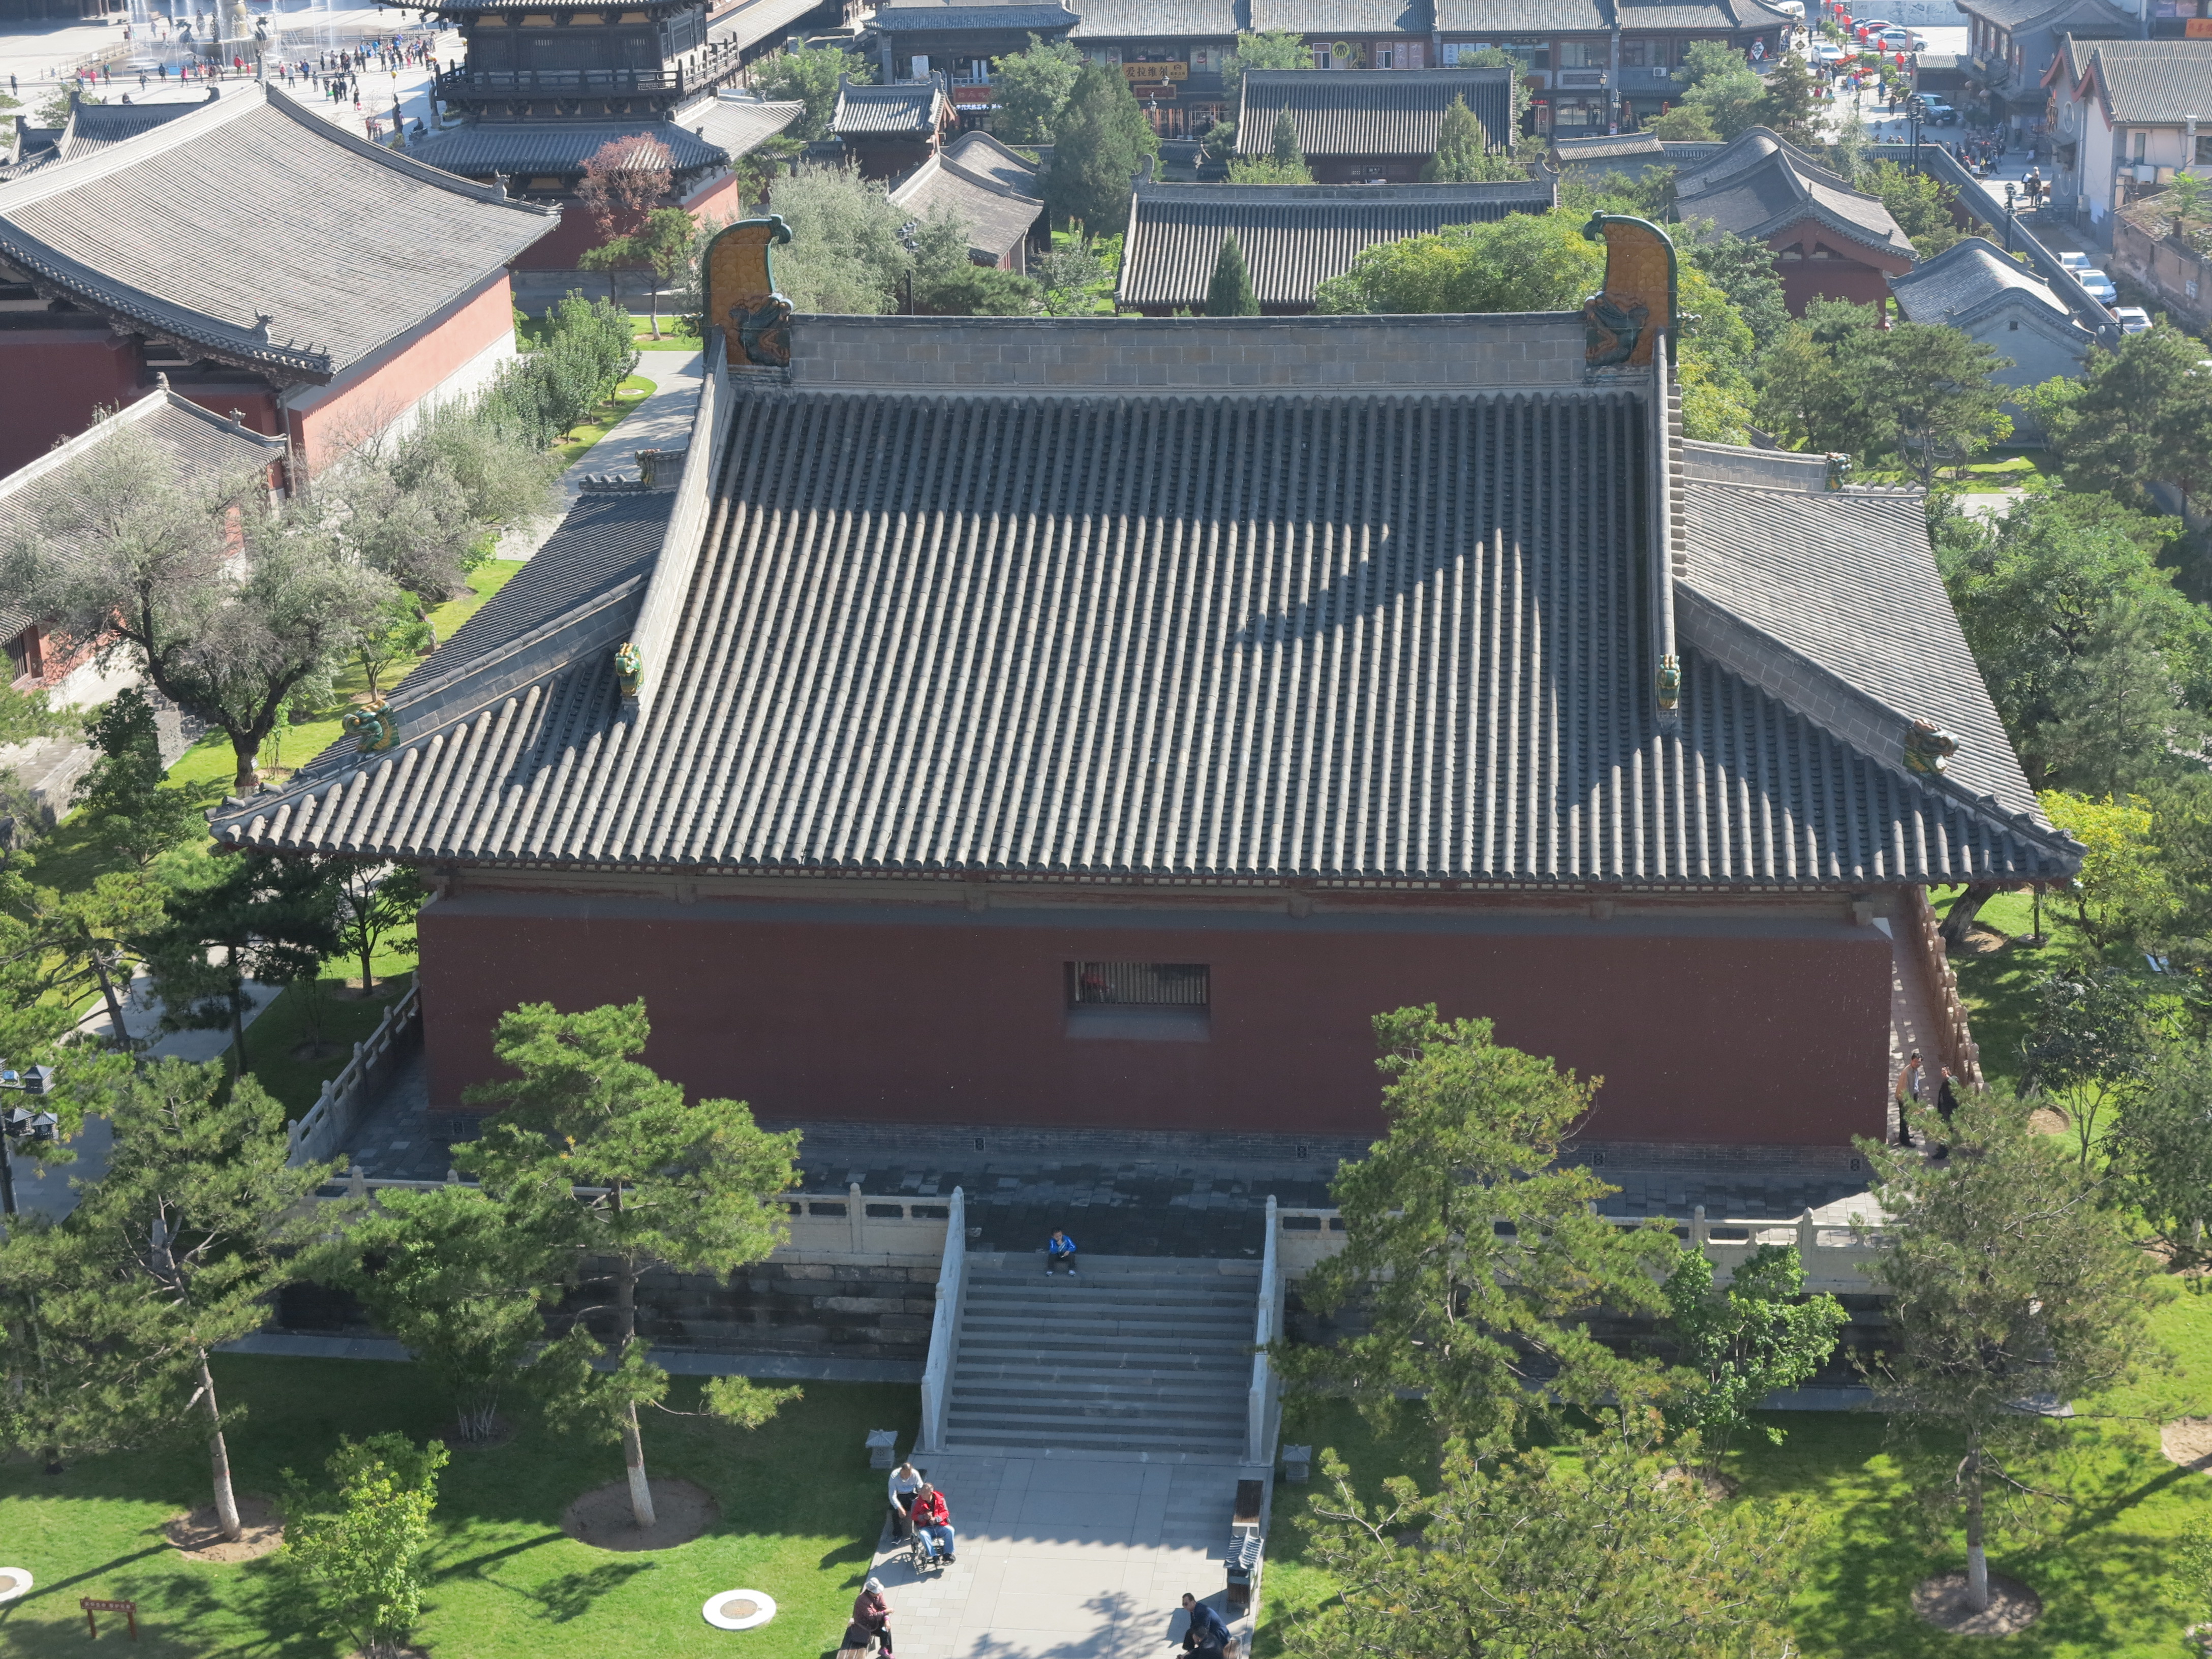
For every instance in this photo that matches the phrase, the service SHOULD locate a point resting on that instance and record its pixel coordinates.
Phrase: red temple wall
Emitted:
(397, 378)
(56, 381)
(1860, 276)
(1709, 1034)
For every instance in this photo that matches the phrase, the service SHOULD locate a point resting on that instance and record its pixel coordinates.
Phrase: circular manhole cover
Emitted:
(14, 1582)
(739, 1609)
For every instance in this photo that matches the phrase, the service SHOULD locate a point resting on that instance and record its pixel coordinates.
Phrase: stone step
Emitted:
(1119, 1327)
(1185, 1417)
(1104, 1368)
(1076, 1355)
(1150, 1442)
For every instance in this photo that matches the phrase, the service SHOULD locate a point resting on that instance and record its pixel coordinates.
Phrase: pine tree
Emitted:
(597, 1153)
(1286, 151)
(1229, 294)
(1463, 155)
(1099, 142)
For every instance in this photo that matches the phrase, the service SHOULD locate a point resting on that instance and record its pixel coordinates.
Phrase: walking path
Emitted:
(1066, 1557)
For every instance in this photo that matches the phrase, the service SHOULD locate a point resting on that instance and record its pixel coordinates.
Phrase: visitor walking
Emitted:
(933, 1519)
(1059, 1251)
(1911, 1092)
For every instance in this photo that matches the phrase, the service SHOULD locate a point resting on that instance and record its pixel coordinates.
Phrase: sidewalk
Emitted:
(662, 421)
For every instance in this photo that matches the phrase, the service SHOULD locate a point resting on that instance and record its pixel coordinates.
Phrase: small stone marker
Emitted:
(128, 1609)
(1297, 1464)
(883, 1447)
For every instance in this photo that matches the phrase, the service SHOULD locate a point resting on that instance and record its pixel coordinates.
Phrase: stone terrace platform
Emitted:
(1129, 1193)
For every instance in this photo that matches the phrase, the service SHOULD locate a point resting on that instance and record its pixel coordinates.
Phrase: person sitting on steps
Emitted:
(1059, 1251)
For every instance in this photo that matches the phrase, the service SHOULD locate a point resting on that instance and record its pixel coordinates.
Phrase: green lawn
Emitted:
(602, 419)
(1998, 987)
(277, 1049)
(2101, 1568)
(800, 1511)
(672, 337)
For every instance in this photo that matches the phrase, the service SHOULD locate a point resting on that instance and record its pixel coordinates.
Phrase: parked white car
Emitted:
(2075, 262)
(2132, 319)
(2100, 286)
(1827, 51)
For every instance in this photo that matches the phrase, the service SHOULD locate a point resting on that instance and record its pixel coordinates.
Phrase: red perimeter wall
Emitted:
(1767, 1040)
(52, 382)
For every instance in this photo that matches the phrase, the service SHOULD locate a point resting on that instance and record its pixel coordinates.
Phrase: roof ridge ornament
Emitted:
(741, 293)
(1621, 322)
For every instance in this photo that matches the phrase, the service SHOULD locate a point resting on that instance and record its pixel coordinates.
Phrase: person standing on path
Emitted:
(1205, 1635)
(905, 1481)
(1911, 1090)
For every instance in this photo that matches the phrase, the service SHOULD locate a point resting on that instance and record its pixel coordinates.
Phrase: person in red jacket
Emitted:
(933, 1520)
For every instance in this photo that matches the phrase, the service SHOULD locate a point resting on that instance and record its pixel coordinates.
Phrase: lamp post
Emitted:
(18, 1123)
(1916, 111)
(2012, 208)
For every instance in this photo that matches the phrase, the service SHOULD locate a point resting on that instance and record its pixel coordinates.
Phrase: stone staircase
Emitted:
(1150, 1355)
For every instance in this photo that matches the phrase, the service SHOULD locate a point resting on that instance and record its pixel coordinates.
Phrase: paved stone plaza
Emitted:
(1065, 1558)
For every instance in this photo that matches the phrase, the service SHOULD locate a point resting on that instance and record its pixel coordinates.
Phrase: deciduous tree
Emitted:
(244, 917)
(2160, 1148)
(360, 1547)
(376, 904)
(593, 1152)
(810, 75)
(2011, 1295)
(847, 253)
(1742, 1343)
(1030, 86)
(1472, 1252)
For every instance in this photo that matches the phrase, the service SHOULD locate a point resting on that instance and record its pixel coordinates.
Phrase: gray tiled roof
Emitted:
(980, 153)
(2017, 14)
(1370, 112)
(998, 216)
(556, 147)
(1843, 580)
(758, 21)
(1497, 20)
(1606, 146)
(1037, 19)
(1708, 14)
(1965, 279)
(343, 244)
(1341, 17)
(204, 444)
(1160, 20)
(1370, 638)
(93, 127)
(901, 107)
(1294, 237)
(739, 123)
(1758, 184)
(2155, 82)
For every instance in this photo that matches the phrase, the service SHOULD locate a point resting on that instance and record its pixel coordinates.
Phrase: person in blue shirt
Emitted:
(1207, 1636)
(1059, 1252)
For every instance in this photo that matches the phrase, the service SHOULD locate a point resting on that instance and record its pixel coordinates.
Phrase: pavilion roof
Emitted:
(992, 189)
(559, 147)
(903, 106)
(1354, 601)
(1370, 112)
(1293, 237)
(259, 233)
(1758, 184)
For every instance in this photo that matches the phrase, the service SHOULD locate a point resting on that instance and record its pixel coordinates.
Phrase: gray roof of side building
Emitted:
(739, 122)
(93, 127)
(2017, 14)
(1375, 637)
(1497, 20)
(1341, 17)
(2153, 82)
(1370, 112)
(341, 244)
(968, 178)
(1966, 280)
(1758, 184)
(1844, 583)
(901, 107)
(758, 21)
(910, 18)
(1159, 20)
(204, 444)
(556, 147)
(1295, 237)
(1701, 15)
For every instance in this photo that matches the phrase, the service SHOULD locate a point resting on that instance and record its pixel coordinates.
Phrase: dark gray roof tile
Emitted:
(1370, 112)
(1037, 19)
(964, 178)
(1159, 20)
(1293, 237)
(557, 146)
(1333, 18)
(1367, 639)
(342, 244)
(913, 107)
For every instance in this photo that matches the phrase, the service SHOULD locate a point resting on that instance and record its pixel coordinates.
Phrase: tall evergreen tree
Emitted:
(1463, 155)
(597, 1156)
(1286, 152)
(1099, 142)
(1030, 86)
(1230, 293)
